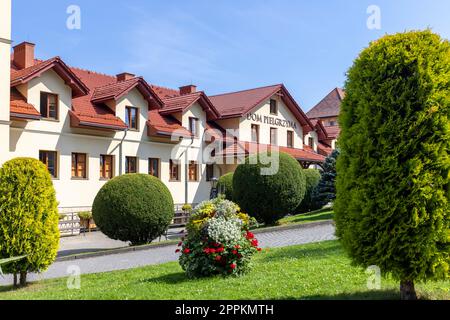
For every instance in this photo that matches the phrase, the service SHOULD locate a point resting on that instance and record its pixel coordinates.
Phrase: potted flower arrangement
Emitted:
(219, 241)
(86, 221)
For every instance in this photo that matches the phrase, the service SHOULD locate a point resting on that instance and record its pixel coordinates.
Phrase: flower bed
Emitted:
(218, 240)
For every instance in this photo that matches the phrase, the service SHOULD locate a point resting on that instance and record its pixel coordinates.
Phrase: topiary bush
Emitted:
(225, 186)
(28, 217)
(309, 203)
(269, 197)
(392, 207)
(218, 241)
(135, 207)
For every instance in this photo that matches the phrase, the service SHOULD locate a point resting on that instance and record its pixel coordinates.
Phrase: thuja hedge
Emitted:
(392, 207)
(135, 207)
(310, 203)
(28, 217)
(269, 196)
(225, 186)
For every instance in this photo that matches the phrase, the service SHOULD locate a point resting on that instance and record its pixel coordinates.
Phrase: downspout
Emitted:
(186, 168)
(121, 152)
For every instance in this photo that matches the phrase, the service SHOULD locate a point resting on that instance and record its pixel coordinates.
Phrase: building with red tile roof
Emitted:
(88, 127)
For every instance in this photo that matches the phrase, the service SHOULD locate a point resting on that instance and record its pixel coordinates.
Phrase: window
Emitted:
(273, 107)
(106, 166)
(255, 133)
(193, 126)
(50, 159)
(273, 136)
(209, 172)
(79, 164)
(153, 167)
(311, 142)
(193, 171)
(174, 171)
(131, 165)
(49, 106)
(332, 123)
(290, 139)
(132, 118)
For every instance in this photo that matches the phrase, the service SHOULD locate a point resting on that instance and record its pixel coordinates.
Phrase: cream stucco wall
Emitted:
(264, 128)
(5, 50)
(312, 134)
(28, 138)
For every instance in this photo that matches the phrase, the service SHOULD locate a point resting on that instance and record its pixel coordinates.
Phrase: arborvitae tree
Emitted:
(392, 207)
(326, 190)
(28, 217)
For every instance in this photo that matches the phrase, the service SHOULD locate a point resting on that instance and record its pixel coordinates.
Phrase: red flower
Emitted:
(206, 250)
(216, 245)
(220, 250)
(180, 244)
(233, 266)
(218, 258)
(237, 247)
(234, 252)
(177, 251)
(255, 242)
(250, 235)
(259, 249)
(239, 256)
(187, 250)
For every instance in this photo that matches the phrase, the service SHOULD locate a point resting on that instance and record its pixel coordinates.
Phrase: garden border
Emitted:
(107, 252)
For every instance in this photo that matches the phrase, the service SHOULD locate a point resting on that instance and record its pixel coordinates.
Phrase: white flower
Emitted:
(224, 230)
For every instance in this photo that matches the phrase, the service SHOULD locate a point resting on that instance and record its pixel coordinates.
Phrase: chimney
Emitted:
(24, 55)
(188, 89)
(125, 76)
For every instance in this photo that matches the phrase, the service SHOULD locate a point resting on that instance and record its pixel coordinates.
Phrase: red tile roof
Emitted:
(159, 125)
(333, 132)
(330, 106)
(183, 102)
(165, 93)
(27, 74)
(246, 148)
(20, 108)
(324, 150)
(237, 104)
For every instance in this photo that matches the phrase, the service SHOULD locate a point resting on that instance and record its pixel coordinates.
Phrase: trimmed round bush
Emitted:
(309, 203)
(28, 217)
(225, 186)
(133, 207)
(270, 191)
(392, 206)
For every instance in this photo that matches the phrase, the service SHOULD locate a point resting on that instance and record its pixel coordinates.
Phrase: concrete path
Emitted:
(158, 255)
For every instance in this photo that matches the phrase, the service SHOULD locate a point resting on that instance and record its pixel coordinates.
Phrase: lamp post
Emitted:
(214, 190)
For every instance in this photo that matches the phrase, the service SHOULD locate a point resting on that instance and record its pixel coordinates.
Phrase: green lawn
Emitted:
(319, 215)
(315, 271)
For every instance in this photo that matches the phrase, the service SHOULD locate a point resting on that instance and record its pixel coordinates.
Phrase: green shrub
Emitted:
(309, 203)
(269, 197)
(86, 215)
(225, 186)
(133, 207)
(28, 217)
(392, 207)
(219, 241)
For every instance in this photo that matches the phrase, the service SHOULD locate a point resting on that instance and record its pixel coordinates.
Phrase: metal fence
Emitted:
(70, 224)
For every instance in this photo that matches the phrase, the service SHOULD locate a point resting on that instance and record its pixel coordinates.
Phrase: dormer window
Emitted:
(49, 106)
(273, 107)
(131, 118)
(193, 126)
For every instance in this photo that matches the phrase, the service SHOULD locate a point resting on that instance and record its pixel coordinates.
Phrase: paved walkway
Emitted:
(152, 256)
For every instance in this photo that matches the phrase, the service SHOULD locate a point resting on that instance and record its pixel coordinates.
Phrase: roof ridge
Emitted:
(246, 90)
(92, 72)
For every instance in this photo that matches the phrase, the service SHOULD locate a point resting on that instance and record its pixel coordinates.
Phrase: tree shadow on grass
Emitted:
(312, 218)
(331, 249)
(172, 278)
(389, 294)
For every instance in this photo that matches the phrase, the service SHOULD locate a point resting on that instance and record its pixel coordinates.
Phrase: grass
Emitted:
(314, 271)
(319, 215)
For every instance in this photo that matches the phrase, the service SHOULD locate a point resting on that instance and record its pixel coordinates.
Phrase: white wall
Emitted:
(28, 138)
(5, 50)
(264, 128)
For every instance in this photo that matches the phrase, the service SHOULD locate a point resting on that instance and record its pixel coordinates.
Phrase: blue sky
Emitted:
(221, 45)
